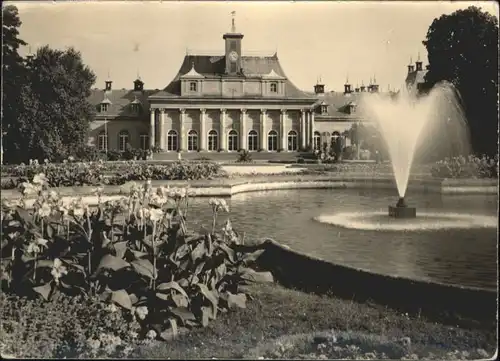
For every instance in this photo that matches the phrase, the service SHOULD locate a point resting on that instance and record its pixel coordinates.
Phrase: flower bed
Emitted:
(134, 257)
(462, 167)
(97, 173)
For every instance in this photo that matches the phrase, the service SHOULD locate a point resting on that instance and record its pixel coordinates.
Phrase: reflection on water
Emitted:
(458, 256)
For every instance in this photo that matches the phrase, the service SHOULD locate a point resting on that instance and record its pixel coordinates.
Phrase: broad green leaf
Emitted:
(112, 262)
(239, 300)
(221, 270)
(172, 332)
(171, 286)
(181, 252)
(209, 295)
(249, 274)
(252, 257)
(122, 298)
(199, 268)
(143, 267)
(205, 315)
(133, 298)
(173, 326)
(139, 255)
(44, 290)
(183, 313)
(183, 282)
(228, 250)
(44, 263)
(198, 252)
(180, 300)
(120, 248)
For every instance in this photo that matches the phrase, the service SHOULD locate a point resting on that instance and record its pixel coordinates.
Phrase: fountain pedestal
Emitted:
(401, 210)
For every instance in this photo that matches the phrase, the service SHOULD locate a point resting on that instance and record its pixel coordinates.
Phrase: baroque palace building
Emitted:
(225, 103)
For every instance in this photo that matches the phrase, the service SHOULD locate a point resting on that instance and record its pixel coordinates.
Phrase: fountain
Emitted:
(404, 119)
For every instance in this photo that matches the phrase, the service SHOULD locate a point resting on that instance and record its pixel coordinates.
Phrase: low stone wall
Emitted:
(229, 187)
(296, 270)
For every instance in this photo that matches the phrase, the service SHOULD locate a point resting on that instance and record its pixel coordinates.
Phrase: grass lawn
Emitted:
(277, 312)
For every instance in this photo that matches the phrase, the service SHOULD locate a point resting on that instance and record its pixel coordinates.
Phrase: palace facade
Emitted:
(225, 103)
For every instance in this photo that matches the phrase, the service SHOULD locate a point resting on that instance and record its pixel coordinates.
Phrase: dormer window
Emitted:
(193, 86)
(136, 107)
(324, 109)
(274, 87)
(104, 107)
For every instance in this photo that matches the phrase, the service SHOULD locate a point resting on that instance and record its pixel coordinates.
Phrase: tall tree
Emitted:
(13, 76)
(56, 114)
(463, 49)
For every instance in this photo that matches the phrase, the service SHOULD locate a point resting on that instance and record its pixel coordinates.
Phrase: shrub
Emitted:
(244, 156)
(135, 253)
(462, 167)
(114, 155)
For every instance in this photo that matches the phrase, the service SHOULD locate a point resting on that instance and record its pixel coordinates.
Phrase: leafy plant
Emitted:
(244, 156)
(462, 167)
(136, 253)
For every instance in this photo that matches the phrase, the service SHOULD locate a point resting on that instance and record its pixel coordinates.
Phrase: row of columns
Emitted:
(306, 131)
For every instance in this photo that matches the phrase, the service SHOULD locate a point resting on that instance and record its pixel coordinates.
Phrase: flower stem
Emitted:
(154, 255)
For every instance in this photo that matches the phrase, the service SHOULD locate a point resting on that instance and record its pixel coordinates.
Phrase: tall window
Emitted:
(123, 139)
(192, 140)
(144, 141)
(292, 141)
(317, 140)
(253, 141)
(193, 86)
(274, 87)
(213, 144)
(272, 141)
(172, 140)
(104, 107)
(102, 141)
(232, 140)
(136, 108)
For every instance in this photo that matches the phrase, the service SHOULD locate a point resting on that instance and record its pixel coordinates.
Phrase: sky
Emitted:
(314, 40)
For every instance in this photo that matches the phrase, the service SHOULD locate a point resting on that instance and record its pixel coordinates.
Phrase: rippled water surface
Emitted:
(456, 256)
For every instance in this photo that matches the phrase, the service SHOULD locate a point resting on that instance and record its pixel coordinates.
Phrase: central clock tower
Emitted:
(233, 50)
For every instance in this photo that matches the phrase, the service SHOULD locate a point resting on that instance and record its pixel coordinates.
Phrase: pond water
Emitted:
(454, 254)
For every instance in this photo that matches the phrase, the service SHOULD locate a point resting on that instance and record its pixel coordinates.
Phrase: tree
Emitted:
(463, 49)
(56, 114)
(13, 74)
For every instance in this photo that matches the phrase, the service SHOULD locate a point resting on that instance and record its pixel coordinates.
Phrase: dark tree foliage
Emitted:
(463, 49)
(46, 112)
(13, 75)
(56, 113)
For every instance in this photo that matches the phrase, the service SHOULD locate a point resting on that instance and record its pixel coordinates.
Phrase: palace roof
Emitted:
(120, 102)
(213, 67)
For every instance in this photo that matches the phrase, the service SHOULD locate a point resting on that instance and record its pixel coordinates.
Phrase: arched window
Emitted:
(102, 141)
(172, 142)
(272, 141)
(123, 140)
(144, 141)
(192, 140)
(232, 141)
(213, 141)
(274, 87)
(292, 141)
(317, 141)
(253, 141)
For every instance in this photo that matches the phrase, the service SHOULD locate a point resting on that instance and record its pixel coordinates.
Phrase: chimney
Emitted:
(138, 85)
(411, 68)
(108, 85)
(319, 89)
(362, 88)
(347, 87)
(418, 63)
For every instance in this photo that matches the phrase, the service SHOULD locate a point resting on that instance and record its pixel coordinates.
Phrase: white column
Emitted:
(152, 129)
(263, 133)
(243, 131)
(283, 131)
(303, 136)
(162, 129)
(203, 131)
(222, 132)
(182, 131)
(311, 125)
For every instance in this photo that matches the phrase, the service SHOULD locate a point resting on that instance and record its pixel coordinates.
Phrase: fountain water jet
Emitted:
(403, 119)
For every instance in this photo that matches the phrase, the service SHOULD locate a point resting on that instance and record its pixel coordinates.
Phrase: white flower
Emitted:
(143, 213)
(40, 179)
(218, 204)
(133, 335)
(29, 188)
(53, 195)
(46, 161)
(35, 246)
(71, 158)
(58, 270)
(44, 210)
(141, 312)
(151, 334)
(93, 344)
(156, 214)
